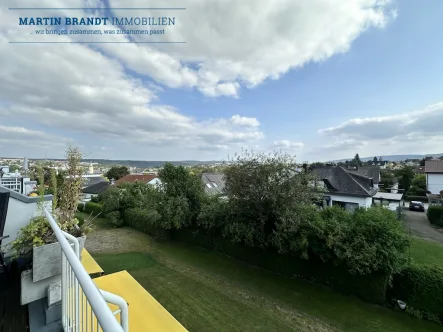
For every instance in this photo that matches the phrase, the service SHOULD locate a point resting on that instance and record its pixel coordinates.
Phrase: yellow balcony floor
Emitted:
(145, 312)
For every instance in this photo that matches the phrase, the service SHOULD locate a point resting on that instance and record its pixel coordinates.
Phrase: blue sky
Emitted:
(377, 89)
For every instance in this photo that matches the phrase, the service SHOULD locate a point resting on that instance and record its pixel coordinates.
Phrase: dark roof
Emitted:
(89, 181)
(214, 182)
(368, 171)
(341, 182)
(136, 177)
(434, 166)
(96, 188)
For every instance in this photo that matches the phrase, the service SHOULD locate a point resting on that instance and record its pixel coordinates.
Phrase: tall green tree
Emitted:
(183, 192)
(356, 161)
(404, 176)
(375, 160)
(117, 172)
(418, 185)
(268, 198)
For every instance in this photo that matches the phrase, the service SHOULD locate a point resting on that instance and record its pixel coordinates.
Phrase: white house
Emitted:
(434, 176)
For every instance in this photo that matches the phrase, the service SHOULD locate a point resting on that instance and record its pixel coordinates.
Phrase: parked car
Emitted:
(417, 206)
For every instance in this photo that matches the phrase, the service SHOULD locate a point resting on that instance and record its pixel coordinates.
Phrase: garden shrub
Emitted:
(435, 215)
(95, 199)
(80, 207)
(115, 218)
(93, 208)
(421, 287)
(147, 221)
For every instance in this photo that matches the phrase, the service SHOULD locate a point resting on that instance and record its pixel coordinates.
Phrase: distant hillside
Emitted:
(143, 163)
(398, 157)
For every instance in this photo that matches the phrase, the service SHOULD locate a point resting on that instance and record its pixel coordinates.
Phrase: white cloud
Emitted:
(244, 121)
(101, 90)
(259, 40)
(284, 144)
(414, 132)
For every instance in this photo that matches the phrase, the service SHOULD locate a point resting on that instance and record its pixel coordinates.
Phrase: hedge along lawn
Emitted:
(426, 252)
(206, 291)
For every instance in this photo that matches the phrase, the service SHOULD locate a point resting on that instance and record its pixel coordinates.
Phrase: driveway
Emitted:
(419, 225)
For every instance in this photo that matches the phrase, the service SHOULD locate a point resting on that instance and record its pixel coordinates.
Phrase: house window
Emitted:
(208, 185)
(214, 184)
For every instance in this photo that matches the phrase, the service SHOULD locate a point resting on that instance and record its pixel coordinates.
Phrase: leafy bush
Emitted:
(147, 221)
(80, 207)
(115, 218)
(421, 287)
(435, 215)
(95, 199)
(93, 208)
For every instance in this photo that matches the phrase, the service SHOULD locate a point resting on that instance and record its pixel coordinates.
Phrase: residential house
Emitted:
(214, 183)
(372, 172)
(347, 189)
(434, 176)
(146, 178)
(94, 190)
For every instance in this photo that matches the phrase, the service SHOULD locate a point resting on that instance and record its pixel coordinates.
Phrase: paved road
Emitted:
(420, 226)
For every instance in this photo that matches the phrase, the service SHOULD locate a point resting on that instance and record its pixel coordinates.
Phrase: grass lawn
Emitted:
(206, 291)
(426, 252)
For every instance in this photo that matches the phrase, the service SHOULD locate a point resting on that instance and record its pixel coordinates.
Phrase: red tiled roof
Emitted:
(136, 177)
(434, 166)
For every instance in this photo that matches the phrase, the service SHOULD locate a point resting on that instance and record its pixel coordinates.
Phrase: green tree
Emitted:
(183, 190)
(375, 160)
(266, 194)
(404, 176)
(117, 172)
(418, 185)
(356, 161)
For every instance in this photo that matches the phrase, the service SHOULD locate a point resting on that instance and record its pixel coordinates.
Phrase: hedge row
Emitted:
(435, 215)
(145, 221)
(370, 288)
(421, 287)
(93, 208)
(423, 199)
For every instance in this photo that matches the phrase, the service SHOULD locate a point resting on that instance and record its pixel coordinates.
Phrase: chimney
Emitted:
(356, 167)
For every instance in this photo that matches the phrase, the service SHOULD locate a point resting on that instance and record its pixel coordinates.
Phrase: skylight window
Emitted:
(214, 184)
(208, 185)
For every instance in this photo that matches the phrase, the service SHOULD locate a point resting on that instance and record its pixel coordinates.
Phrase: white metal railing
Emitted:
(84, 306)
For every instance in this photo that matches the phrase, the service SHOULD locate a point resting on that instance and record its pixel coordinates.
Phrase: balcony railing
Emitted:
(84, 306)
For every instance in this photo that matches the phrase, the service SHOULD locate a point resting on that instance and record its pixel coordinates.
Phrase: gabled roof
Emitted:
(136, 177)
(434, 166)
(89, 181)
(214, 182)
(96, 188)
(341, 182)
(368, 171)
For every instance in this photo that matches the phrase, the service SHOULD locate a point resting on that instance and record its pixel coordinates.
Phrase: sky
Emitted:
(319, 79)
